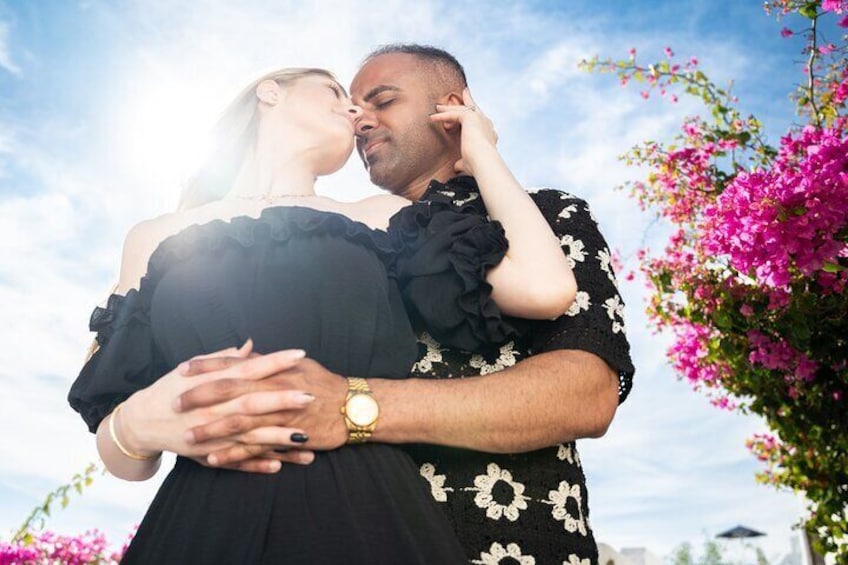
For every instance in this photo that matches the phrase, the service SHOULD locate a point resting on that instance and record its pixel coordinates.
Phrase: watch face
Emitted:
(362, 409)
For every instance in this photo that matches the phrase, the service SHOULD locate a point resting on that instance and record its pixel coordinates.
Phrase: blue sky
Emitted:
(103, 106)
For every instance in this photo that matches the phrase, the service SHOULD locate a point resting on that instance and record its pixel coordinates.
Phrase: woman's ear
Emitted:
(268, 91)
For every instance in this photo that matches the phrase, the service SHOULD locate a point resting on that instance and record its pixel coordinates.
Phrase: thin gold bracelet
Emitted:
(118, 443)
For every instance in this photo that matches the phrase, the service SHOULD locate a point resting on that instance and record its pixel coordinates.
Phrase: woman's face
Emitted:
(318, 111)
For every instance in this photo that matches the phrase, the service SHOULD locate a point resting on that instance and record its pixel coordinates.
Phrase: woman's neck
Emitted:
(267, 174)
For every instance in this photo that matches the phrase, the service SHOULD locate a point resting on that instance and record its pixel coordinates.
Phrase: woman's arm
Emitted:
(132, 437)
(534, 280)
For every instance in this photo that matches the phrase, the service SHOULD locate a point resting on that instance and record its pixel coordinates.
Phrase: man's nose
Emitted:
(364, 122)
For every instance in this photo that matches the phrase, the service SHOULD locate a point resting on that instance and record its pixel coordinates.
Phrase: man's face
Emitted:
(398, 143)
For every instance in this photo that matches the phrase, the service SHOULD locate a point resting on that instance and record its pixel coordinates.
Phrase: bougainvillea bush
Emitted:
(32, 545)
(752, 281)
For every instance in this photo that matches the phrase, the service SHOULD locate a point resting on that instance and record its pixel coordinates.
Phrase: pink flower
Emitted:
(837, 6)
(825, 49)
(632, 52)
(781, 223)
(668, 52)
(693, 62)
(843, 22)
(786, 32)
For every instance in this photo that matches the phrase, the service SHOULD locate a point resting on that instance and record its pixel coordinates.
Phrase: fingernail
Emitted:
(304, 398)
(188, 437)
(177, 404)
(298, 437)
(274, 466)
(212, 460)
(298, 353)
(183, 367)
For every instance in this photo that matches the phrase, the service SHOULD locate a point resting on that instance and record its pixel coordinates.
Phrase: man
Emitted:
(497, 450)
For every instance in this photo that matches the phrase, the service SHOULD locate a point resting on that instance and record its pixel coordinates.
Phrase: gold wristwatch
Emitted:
(360, 411)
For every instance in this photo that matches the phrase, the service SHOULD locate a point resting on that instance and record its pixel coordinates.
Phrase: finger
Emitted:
(245, 452)
(239, 396)
(275, 435)
(236, 454)
(255, 465)
(267, 464)
(229, 427)
(267, 402)
(249, 367)
(242, 351)
(467, 98)
(298, 457)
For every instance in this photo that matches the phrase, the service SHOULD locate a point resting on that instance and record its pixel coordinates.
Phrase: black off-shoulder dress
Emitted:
(299, 278)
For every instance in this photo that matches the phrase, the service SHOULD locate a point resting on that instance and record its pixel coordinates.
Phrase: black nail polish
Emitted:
(298, 437)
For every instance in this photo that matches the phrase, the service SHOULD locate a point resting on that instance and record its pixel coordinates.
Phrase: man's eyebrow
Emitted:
(377, 90)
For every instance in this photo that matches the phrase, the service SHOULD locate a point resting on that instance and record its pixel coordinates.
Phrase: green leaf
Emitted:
(809, 10)
(829, 267)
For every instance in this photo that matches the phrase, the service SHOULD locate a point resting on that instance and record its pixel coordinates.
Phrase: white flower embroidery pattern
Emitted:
(433, 355)
(565, 453)
(568, 211)
(573, 559)
(581, 303)
(506, 358)
(591, 215)
(499, 494)
(606, 259)
(437, 482)
(472, 196)
(575, 251)
(615, 310)
(448, 193)
(558, 498)
(497, 552)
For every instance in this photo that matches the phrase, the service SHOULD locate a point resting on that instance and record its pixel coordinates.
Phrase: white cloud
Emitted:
(6, 61)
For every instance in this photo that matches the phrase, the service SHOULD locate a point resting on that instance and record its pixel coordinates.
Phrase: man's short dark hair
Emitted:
(441, 59)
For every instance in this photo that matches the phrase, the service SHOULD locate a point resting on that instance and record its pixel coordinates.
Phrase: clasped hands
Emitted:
(239, 410)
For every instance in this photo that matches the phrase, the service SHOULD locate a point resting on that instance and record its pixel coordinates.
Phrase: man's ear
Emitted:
(451, 99)
(269, 92)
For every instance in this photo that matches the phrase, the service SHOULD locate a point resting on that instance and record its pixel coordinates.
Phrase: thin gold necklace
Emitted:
(269, 198)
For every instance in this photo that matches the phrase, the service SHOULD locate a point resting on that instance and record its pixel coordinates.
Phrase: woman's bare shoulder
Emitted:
(141, 241)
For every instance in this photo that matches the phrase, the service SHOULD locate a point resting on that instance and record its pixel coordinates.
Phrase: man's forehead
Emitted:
(387, 71)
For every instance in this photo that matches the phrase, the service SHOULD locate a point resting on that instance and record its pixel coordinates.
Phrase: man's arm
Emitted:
(546, 399)
(541, 401)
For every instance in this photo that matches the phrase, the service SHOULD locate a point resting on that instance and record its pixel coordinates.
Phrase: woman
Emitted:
(254, 253)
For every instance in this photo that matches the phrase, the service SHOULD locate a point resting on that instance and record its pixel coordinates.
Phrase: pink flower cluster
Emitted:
(775, 224)
(837, 6)
(780, 356)
(689, 353)
(49, 547)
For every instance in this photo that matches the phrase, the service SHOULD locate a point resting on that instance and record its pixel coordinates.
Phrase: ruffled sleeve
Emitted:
(445, 252)
(122, 363)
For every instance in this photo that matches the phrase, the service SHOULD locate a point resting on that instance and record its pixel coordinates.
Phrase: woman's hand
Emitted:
(479, 138)
(149, 423)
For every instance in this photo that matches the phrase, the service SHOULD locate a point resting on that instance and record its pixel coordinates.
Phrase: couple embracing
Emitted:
(390, 381)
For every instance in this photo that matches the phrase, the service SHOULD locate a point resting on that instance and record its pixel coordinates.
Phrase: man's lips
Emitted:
(372, 145)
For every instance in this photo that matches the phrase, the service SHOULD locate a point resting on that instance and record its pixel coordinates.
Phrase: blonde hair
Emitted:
(233, 136)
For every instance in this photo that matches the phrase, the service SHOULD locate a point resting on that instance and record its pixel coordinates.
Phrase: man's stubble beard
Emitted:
(402, 161)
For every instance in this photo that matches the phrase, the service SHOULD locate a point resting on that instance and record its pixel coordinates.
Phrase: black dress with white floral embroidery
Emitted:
(530, 507)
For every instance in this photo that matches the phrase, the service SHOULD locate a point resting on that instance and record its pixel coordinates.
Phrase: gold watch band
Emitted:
(358, 433)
